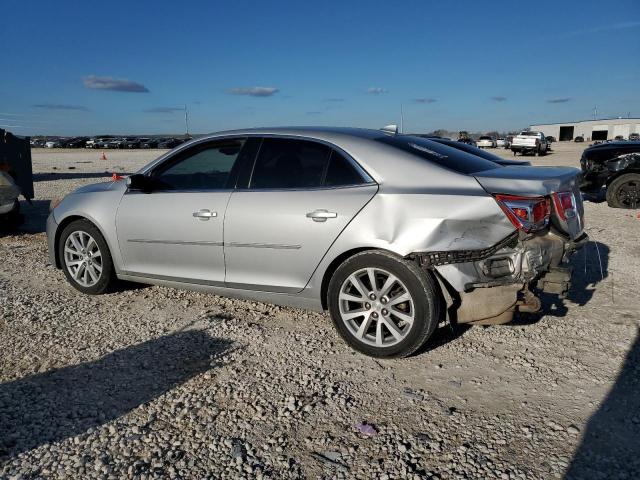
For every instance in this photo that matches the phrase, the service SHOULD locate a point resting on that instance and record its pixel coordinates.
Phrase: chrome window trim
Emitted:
(367, 178)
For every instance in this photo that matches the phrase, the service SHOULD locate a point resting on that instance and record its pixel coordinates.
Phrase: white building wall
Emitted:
(615, 126)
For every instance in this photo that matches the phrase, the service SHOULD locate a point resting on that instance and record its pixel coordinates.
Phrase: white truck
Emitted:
(529, 142)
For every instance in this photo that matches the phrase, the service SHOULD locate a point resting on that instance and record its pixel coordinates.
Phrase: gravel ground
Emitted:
(152, 382)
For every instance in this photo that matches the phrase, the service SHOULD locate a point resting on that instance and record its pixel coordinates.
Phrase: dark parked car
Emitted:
(579, 139)
(550, 138)
(170, 143)
(634, 137)
(77, 142)
(130, 142)
(467, 140)
(615, 166)
(149, 143)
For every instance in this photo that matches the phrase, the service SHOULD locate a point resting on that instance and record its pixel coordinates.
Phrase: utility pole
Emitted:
(401, 120)
(186, 121)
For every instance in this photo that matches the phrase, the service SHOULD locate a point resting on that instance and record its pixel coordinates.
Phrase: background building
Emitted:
(603, 129)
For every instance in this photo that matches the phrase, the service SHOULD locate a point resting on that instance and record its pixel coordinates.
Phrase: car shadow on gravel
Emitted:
(63, 403)
(590, 267)
(610, 446)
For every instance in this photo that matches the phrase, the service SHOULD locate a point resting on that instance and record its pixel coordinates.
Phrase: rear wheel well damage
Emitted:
(61, 226)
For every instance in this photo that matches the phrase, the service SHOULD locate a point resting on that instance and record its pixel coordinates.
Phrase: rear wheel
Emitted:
(85, 258)
(383, 305)
(624, 191)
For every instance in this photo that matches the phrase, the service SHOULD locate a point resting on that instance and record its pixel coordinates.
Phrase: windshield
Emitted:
(484, 137)
(529, 134)
(438, 153)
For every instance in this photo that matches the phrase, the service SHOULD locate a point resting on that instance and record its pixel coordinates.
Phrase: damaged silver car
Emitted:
(390, 233)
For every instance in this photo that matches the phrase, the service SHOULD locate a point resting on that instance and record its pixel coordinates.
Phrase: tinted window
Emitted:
(341, 172)
(284, 163)
(203, 168)
(443, 155)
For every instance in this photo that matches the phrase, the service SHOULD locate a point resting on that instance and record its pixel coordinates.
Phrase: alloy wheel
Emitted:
(376, 307)
(629, 194)
(82, 258)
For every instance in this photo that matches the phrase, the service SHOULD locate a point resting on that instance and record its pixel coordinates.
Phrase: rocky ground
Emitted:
(153, 382)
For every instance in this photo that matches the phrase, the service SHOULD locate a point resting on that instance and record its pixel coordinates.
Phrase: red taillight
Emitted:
(526, 213)
(565, 204)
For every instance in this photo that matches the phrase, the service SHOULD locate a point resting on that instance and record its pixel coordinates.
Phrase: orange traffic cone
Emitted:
(103, 156)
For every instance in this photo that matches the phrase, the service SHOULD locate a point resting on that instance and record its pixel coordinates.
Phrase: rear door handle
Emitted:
(321, 215)
(204, 214)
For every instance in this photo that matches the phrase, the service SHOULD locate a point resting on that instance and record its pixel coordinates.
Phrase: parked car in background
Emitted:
(114, 143)
(102, 143)
(619, 138)
(130, 142)
(550, 138)
(170, 143)
(467, 141)
(77, 142)
(52, 143)
(9, 205)
(149, 143)
(37, 143)
(634, 137)
(501, 142)
(614, 166)
(579, 139)
(549, 142)
(486, 141)
(387, 232)
(529, 142)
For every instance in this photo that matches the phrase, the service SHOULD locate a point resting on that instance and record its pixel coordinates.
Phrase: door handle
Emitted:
(321, 215)
(204, 214)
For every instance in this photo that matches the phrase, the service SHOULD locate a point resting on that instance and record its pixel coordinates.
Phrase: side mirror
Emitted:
(139, 182)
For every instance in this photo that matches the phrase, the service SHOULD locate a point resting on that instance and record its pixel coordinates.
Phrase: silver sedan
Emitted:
(390, 233)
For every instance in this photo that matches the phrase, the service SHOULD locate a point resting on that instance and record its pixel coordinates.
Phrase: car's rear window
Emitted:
(440, 154)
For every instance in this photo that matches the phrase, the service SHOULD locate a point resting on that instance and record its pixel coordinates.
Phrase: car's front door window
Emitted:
(206, 168)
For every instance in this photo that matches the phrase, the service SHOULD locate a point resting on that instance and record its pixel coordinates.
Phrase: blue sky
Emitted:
(78, 67)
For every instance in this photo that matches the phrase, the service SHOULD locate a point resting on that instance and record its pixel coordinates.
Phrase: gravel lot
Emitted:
(153, 382)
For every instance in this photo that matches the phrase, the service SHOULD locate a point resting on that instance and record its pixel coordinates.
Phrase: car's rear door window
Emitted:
(284, 163)
(440, 154)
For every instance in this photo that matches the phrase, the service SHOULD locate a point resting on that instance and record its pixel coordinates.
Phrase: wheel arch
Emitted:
(336, 262)
(63, 224)
(621, 173)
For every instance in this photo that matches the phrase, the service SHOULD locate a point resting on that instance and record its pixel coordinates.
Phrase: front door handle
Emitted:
(321, 215)
(204, 214)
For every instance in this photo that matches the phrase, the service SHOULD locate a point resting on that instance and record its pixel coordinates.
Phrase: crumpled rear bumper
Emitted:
(487, 286)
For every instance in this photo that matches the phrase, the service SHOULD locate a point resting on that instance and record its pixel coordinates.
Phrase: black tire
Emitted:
(420, 285)
(107, 278)
(614, 194)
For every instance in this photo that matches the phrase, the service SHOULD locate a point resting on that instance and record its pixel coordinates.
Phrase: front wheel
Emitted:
(85, 258)
(624, 191)
(383, 305)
